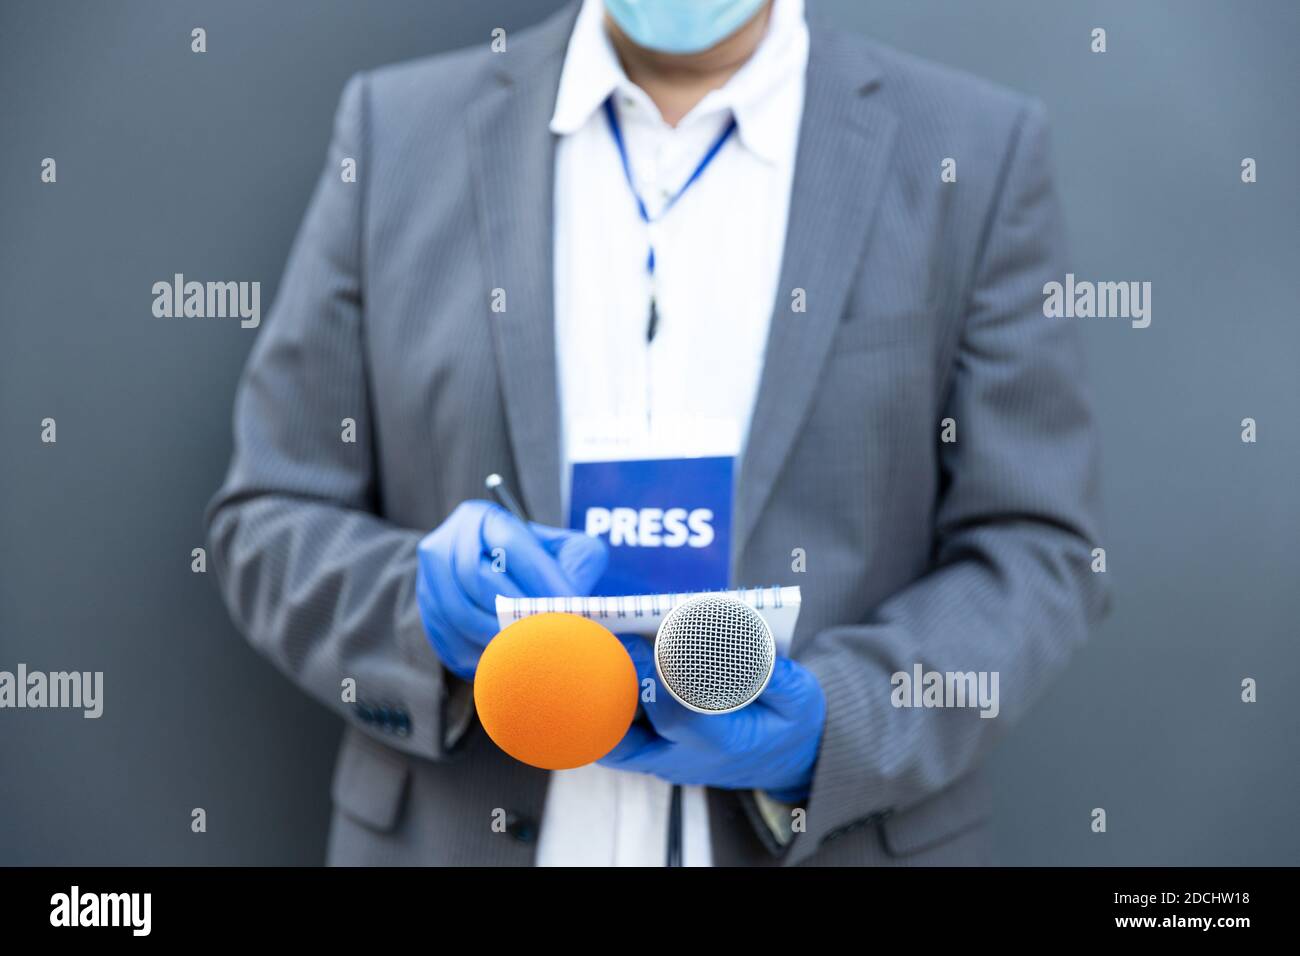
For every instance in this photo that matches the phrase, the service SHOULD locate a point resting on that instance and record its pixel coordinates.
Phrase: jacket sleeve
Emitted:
(316, 580)
(1010, 590)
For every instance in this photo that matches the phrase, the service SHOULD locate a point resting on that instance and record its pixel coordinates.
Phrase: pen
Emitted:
(497, 488)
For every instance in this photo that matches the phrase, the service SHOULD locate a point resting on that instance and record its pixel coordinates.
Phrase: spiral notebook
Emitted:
(641, 613)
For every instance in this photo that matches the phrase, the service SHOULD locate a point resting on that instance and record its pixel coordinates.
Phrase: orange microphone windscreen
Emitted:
(555, 691)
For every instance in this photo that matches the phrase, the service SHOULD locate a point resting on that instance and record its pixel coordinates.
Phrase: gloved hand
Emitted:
(770, 745)
(456, 586)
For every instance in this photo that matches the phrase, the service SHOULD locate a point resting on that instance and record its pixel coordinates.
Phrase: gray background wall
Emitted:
(174, 162)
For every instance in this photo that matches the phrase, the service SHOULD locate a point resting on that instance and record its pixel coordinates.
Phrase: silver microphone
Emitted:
(714, 653)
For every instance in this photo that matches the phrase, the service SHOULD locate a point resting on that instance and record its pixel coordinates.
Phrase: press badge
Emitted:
(666, 520)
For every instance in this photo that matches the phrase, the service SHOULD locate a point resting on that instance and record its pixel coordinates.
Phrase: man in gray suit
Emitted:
(917, 434)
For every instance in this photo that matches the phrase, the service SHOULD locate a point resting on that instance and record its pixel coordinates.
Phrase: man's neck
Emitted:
(677, 81)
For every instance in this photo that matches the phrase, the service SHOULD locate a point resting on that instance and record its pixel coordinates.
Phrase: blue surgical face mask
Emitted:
(680, 26)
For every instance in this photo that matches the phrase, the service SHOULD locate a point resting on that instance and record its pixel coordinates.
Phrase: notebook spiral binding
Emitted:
(604, 607)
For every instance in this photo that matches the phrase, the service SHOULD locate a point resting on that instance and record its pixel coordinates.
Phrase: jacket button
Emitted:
(522, 828)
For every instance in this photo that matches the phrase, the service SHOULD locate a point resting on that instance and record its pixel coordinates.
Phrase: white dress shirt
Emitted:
(691, 391)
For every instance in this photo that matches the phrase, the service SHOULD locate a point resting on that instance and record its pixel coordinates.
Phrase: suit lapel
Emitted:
(845, 143)
(513, 158)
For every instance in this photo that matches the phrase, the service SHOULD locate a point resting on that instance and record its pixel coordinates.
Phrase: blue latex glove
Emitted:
(770, 745)
(456, 586)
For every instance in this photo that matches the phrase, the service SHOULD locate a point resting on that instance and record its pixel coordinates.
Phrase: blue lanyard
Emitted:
(617, 133)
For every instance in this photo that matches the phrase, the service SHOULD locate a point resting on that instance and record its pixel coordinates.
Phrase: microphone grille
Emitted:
(714, 653)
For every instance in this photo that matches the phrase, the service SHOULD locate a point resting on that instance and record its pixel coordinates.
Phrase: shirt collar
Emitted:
(591, 71)
(763, 95)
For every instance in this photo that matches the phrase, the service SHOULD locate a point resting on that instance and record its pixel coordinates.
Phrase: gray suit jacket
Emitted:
(923, 303)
